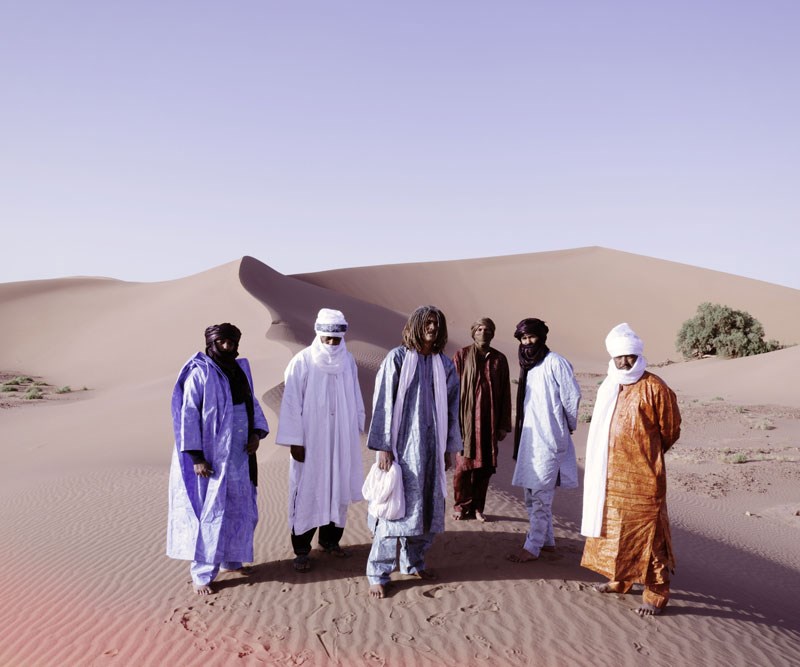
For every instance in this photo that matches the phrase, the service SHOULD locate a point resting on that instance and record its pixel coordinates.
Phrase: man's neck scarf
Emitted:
(596, 468)
(237, 380)
(528, 356)
(329, 358)
(469, 383)
(407, 372)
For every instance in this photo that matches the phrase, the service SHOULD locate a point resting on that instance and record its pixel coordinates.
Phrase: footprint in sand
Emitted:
(439, 591)
(275, 632)
(244, 651)
(403, 639)
(489, 605)
(372, 658)
(344, 624)
(641, 648)
(514, 655)
(193, 622)
(438, 619)
(483, 644)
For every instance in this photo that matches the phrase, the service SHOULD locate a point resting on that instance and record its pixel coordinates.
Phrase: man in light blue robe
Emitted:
(548, 396)
(218, 423)
(416, 391)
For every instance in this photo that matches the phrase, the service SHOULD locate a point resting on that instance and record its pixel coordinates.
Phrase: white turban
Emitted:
(330, 323)
(622, 340)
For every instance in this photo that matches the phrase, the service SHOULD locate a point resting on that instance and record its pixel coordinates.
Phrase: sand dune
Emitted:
(83, 481)
(581, 293)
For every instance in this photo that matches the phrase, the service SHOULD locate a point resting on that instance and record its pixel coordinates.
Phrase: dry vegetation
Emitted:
(17, 389)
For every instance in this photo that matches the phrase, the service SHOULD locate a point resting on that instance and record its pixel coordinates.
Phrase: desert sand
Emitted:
(83, 484)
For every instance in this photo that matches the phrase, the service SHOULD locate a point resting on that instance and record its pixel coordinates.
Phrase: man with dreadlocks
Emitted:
(212, 484)
(485, 411)
(548, 397)
(414, 425)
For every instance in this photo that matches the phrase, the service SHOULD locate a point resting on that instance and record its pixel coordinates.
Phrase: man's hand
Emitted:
(298, 453)
(448, 460)
(501, 434)
(203, 469)
(253, 443)
(385, 460)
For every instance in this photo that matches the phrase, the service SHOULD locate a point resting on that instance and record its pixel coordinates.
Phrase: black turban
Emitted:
(224, 330)
(533, 327)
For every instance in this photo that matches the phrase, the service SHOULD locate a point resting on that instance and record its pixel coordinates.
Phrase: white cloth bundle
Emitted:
(620, 341)
(384, 491)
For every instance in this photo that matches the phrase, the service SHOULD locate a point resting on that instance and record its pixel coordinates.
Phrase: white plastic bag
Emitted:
(384, 491)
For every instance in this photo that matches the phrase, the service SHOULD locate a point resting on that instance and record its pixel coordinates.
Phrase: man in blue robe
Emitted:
(414, 425)
(218, 424)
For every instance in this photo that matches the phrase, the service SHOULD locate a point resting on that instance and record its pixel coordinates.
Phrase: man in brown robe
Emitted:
(485, 417)
(635, 421)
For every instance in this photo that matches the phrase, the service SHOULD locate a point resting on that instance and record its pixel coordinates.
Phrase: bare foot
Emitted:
(602, 588)
(203, 590)
(245, 570)
(427, 575)
(648, 610)
(377, 591)
(463, 515)
(480, 516)
(521, 556)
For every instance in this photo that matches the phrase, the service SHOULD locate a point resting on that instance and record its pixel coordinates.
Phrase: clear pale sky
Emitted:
(151, 140)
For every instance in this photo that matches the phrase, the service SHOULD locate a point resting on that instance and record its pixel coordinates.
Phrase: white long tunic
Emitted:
(323, 412)
(546, 452)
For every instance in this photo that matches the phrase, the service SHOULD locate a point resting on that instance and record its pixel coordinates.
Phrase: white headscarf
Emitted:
(330, 358)
(621, 341)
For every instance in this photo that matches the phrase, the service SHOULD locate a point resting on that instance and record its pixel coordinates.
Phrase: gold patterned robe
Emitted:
(636, 545)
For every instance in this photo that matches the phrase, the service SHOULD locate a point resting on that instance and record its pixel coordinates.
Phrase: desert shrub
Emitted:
(34, 393)
(8, 386)
(720, 330)
(64, 390)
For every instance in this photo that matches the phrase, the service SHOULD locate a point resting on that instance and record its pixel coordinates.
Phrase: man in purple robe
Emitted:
(218, 424)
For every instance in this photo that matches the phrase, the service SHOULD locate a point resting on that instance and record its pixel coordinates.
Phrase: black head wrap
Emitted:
(529, 356)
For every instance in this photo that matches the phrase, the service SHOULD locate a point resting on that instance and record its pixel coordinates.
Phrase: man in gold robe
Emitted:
(635, 421)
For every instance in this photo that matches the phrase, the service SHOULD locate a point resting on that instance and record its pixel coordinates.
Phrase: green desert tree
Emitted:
(720, 330)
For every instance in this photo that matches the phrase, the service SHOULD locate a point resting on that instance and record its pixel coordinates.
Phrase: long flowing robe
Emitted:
(636, 544)
(546, 452)
(492, 406)
(211, 519)
(416, 440)
(323, 412)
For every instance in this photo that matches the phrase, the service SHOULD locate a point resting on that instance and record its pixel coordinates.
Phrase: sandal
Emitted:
(337, 551)
(302, 563)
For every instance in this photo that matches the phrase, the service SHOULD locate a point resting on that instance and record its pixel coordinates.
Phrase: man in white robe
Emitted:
(321, 417)
(548, 397)
(414, 425)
